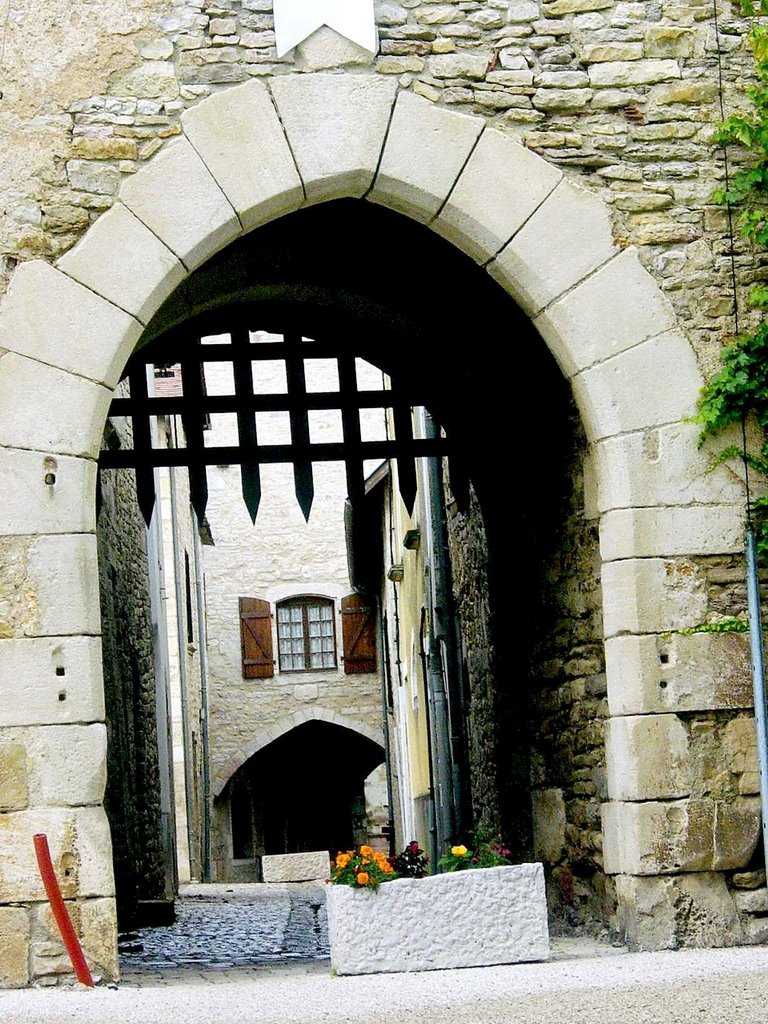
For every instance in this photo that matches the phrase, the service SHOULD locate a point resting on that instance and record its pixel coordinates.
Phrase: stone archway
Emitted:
(251, 154)
(274, 732)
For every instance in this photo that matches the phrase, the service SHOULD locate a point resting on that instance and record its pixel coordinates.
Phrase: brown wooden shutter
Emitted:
(256, 638)
(358, 628)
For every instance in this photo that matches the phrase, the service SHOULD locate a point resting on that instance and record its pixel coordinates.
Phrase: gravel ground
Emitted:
(710, 986)
(258, 955)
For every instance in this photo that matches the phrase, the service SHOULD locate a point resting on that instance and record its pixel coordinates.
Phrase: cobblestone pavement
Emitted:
(220, 926)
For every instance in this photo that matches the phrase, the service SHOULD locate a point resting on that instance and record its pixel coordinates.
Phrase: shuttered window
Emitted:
(358, 626)
(306, 637)
(256, 638)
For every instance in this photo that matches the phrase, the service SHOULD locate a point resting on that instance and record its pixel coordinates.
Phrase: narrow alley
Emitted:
(230, 925)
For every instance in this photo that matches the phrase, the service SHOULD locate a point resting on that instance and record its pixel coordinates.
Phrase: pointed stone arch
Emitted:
(248, 155)
(286, 725)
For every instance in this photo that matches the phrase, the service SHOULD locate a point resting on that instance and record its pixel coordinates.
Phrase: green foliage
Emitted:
(740, 389)
(729, 624)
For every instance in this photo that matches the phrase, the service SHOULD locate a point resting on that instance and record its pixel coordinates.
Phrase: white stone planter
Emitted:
(462, 919)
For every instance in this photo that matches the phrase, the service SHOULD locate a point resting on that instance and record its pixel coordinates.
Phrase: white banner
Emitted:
(297, 19)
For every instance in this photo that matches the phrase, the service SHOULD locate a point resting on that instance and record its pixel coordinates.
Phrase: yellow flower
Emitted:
(459, 851)
(363, 878)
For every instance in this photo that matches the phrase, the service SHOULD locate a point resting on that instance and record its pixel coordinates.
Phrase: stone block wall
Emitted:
(620, 95)
(132, 797)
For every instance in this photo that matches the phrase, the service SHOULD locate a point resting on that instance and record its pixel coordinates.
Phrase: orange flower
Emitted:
(342, 859)
(363, 878)
(366, 851)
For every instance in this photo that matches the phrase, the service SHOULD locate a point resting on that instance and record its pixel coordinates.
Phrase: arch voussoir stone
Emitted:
(48, 409)
(499, 188)
(614, 309)
(336, 126)
(49, 317)
(607, 393)
(263, 183)
(121, 259)
(568, 237)
(444, 139)
(180, 201)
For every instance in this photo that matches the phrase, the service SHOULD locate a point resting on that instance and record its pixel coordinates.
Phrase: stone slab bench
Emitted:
(296, 867)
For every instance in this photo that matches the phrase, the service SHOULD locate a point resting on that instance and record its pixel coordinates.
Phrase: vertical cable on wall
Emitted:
(753, 583)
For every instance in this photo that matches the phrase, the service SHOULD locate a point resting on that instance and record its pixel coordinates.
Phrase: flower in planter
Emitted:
(486, 852)
(361, 869)
(411, 863)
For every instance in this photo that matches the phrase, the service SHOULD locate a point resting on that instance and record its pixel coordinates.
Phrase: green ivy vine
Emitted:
(740, 388)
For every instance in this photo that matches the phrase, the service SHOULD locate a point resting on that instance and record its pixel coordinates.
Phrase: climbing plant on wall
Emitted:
(740, 388)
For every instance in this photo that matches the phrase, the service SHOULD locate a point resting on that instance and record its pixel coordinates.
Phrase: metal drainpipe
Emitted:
(157, 599)
(181, 627)
(202, 637)
(758, 677)
(442, 660)
(385, 712)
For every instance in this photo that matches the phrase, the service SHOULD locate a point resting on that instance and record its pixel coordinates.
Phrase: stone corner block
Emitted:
(262, 183)
(98, 934)
(178, 199)
(614, 309)
(674, 672)
(501, 185)
(647, 758)
(46, 409)
(296, 867)
(567, 238)
(670, 532)
(80, 846)
(66, 764)
(336, 126)
(653, 838)
(49, 317)
(662, 465)
(695, 910)
(426, 148)
(502, 915)
(60, 678)
(121, 259)
(14, 947)
(652, 595)
(46, 494)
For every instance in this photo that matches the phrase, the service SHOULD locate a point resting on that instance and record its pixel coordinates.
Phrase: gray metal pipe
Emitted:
(202, 637)
(758, 677)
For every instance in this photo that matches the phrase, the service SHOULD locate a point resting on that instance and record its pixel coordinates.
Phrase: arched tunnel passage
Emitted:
(375, 284)
(304, 791)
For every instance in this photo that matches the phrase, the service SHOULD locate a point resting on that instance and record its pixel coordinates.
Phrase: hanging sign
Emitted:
(297, 19)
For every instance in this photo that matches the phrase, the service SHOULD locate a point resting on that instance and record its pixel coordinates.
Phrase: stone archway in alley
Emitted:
(256, 153)
(314, 799)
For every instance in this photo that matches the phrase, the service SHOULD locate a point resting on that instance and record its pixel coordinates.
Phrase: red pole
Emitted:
(53, 892)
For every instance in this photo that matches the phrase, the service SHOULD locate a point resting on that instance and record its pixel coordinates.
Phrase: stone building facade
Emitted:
(564, 147)
(326, 713)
